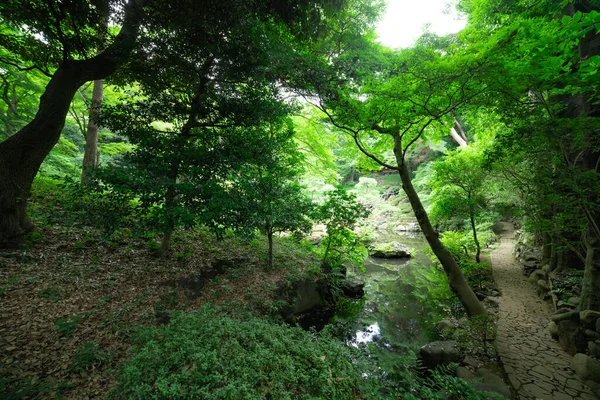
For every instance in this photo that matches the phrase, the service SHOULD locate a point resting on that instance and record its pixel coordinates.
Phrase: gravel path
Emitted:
(535, 364)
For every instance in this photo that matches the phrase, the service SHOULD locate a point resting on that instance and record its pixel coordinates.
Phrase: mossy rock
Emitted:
(390, 250)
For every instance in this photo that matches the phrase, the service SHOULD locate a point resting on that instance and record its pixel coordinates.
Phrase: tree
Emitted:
(387, 101)
(58, 38)
(544, 79)
(339, 213)
(459, 188)
(267, 195)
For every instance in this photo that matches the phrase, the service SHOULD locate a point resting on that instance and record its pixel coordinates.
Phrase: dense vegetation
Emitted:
(137, 122)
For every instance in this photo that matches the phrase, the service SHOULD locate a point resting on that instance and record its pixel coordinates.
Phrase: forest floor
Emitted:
(536, 365)
(71, 300)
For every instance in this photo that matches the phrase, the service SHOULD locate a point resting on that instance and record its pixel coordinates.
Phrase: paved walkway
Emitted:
(536, 365)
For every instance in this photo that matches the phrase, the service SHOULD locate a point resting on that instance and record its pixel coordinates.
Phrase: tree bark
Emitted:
(91, 157)
(170, 197)
(270, 238)
(590, 298)
(456, 279)
(477, 245)
(22, 154)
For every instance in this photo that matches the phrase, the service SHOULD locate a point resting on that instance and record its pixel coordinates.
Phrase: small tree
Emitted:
(267, 194)
(340, 212)
(459, 189)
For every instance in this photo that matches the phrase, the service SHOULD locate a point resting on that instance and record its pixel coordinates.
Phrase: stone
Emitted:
(491, 301)
(537, 275)
(592, 334)
(571, 337)
(490, 378)
(446, 327)
(472, 362)
(353, 288)
(569, 315)
(542, 284)
(593, 349)
(574, 300)
(438, 353)
(586, 367)
(390, 250)
(589, 317)
(464, 373)
(553, 329)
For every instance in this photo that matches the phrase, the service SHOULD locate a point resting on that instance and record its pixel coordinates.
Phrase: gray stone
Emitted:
(438, 353)
(569, 315)
(446, 327)
(553, 329)
(464, 373)
(589, 317)
(574, 300)
(537, 275)
(491, 301)
(352, 288)
(472, 362)
(593, 349)
(586, 367)
(592, 334)
(542, 284)
(571, 337)
(390, 250)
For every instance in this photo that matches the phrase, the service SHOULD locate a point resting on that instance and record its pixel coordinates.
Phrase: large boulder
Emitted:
(493, 383)
(390, 250)
(353, 288)
(439, 353)
(566, 315)
(553, 329)
(586, 366)
(571, 337)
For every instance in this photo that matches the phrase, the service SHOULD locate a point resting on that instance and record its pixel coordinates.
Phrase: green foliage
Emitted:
(209, 355)
(340, 212)
(52, 293)
(67, 326)
(90, 355)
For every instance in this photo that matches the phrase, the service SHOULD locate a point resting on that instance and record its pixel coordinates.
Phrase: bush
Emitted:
(207, 355)
(90, 355)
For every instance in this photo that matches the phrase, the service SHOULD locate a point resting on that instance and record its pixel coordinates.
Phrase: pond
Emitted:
(404, 298)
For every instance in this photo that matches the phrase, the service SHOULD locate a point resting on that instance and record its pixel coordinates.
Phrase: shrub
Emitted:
(90, 355)
(208, 355)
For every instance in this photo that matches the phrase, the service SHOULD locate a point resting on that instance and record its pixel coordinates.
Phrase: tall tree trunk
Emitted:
(270, 238)
(477, 245)
(22, 154)
(170, 196)
(590, 298)
(456, 279)
(91, 157)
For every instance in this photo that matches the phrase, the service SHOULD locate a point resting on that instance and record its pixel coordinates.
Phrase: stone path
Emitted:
(535, 364)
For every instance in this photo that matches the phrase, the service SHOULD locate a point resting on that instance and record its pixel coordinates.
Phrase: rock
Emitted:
(593, 349)
(574, 300)
(561, 311)
(564, 304)
(390, 250)
(571, 337)
(589, 317)
(486, 387)
(553, 329)
(438, 353)
(446, 327)
(464, 373)
(537, 275)
(586, 367)
(494, 380)
(592, 334)
(472, 362)
(353, 288)
(410, 227)
(492, 302)
(542, 284)
(569, 315)
(547, 268)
